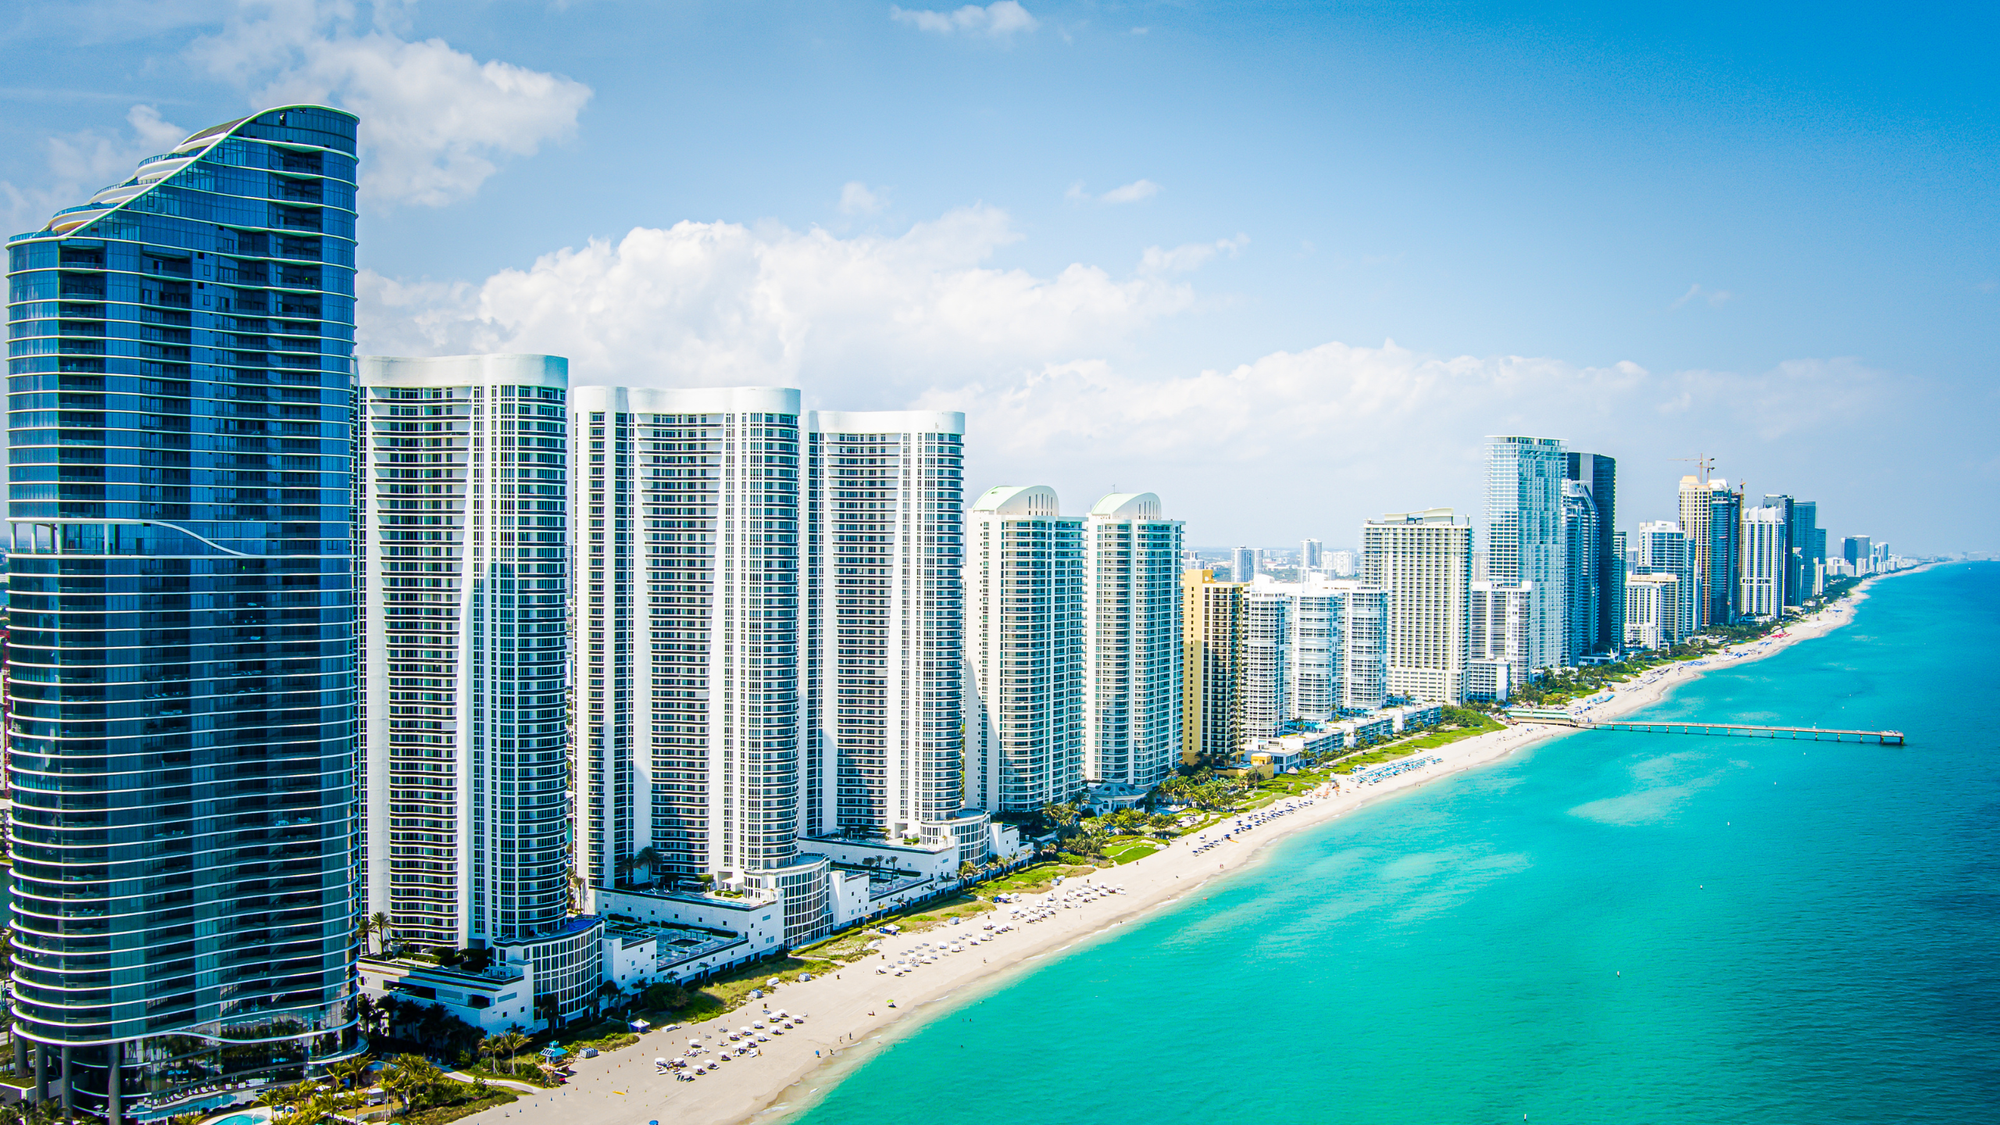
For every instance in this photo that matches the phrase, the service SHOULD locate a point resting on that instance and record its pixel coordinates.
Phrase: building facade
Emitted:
(1659, 547)
(181, 680)
(1212, 667)
(1525, 536)
(1024, 650)
(463, 492)
(1498, 638)
(1132, 641)
(886, 643)
(1764, 554)
(1598, 475)
(1653, 617)
(1581, 612)
(1423, 563)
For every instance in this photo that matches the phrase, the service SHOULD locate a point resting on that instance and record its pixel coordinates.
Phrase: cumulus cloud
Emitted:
(857, 198)
(874, 317)
(434, 120)
(999, 20)
(1132, 192)
(1054, 372)
(1189, 256)
(80, 163)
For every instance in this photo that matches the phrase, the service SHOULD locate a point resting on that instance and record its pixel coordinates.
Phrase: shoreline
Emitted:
(852, 1020)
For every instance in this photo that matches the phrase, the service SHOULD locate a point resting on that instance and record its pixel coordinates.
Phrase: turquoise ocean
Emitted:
(1611, 928)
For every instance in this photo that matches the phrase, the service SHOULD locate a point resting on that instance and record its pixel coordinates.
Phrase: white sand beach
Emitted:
(849, 1012)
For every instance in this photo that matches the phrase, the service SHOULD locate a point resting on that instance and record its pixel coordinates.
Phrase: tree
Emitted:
(968, 870)
(347, 1072)
(411, 1078)
(547, 1010)
(510, 1044)
(379, 922)
(666, 996)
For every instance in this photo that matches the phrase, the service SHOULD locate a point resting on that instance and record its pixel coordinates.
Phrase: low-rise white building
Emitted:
(492, 999)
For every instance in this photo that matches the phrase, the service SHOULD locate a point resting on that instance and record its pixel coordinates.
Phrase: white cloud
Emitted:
(1716, 298)
(434, 120)
(999, 20)
(1132, 192)
(80, 163)
(1054, 373)
(1189, 256)
(870, 317)
(857, 198)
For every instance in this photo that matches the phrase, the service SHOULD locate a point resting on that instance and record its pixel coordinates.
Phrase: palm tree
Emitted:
(411, 1078)
(510, 1044)
(347, 1072)
(604, 992)
(379, 922)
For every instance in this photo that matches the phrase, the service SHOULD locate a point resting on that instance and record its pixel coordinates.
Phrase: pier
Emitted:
(1724, 730)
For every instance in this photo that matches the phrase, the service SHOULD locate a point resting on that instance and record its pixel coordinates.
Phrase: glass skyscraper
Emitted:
(1525, 536)
(180, 359)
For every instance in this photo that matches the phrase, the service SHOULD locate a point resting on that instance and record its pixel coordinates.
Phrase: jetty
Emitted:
(1695, 726)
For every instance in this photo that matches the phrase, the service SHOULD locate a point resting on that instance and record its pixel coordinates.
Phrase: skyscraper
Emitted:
(1806, 544)
(1710, 514)
(182, 680)
(1525, 535)
(886, 642)
(1132, 641)
(1311, 554)
(1599, 474)
(1212, 668)
(1725, 553)
(1243, 564)
(1497, 640)
(1663, 549)
(1023, 650)
(692, 725)
(1762, 578)
(1581, 617)
(464, 491)
(1423, 560)
(1265, 691)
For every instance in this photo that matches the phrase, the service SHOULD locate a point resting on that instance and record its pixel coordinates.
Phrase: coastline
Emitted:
(850, 1019)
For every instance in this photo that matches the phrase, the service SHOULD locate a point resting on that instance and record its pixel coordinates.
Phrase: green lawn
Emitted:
(1128, 853)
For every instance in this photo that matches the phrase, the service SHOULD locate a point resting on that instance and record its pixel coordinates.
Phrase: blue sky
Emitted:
(1165, 245)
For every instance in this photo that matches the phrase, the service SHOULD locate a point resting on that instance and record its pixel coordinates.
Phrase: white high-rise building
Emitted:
(1332, 656)
(1762, 578)
(1024, 663)
(1312, 555)
(1243, 564)
(1525, 535)
(1499, 638)
(691, 720)
(1661, 547)
(1653, 615)
(1343, 564)
(1132, 641)
(886, 626)
(1423, 561)
(1267, 649)
(463, 488)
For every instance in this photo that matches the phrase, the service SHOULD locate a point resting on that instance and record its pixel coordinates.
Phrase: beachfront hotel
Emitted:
(463, 489)
(1525, 542)
(885, 632)
(1024, 594)
(1423, 561)
(1761, 578)
(181, 679)
(1211, 667)
(1131, 641)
